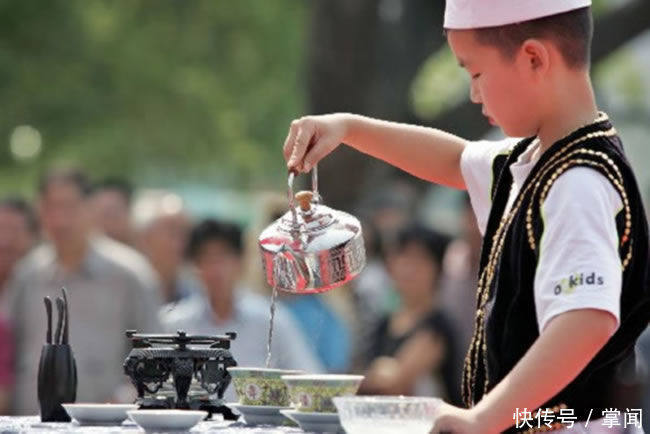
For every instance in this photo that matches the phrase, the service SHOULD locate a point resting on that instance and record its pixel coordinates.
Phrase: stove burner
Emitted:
(164, 367)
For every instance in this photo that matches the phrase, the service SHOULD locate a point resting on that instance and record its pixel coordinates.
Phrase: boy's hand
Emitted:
(311, 138)
(450, 419)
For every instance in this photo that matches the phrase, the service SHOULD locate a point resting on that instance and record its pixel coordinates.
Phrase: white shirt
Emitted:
(579, 265)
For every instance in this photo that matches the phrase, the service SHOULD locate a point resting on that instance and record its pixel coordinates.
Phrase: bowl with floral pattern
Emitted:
(261, 386)
(314, 393)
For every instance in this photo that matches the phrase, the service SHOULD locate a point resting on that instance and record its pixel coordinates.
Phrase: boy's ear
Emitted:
(535, 55)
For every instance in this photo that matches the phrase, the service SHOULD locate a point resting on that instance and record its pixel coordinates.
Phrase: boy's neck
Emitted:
(575, 106)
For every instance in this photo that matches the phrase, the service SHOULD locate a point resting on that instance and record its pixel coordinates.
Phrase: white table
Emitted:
(33, 424)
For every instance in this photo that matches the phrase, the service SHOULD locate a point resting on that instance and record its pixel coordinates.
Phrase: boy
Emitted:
(564, 287)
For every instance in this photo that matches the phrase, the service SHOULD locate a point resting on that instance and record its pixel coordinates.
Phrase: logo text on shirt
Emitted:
(569, 284)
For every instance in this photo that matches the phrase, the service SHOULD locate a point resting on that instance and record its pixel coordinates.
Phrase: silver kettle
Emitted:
(312, 248)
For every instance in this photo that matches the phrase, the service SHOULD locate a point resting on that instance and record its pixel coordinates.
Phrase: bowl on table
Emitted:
(167, 420)
(99, 414)
(314, 393)
(262, 394)
(262, 414)
(386, 414)
(261, 386)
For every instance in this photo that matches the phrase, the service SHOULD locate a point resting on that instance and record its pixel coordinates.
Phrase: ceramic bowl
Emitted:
(386, 414)
(99, 414)
(314, 393)
(260, 386)
(167, 420)
(261, 414)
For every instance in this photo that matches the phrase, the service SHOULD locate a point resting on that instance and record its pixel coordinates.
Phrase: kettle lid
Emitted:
(310, 227)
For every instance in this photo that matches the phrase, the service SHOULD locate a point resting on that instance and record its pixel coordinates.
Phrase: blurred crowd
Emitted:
(144, 262)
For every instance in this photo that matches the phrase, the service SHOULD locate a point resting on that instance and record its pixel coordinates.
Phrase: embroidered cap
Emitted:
(475, 14)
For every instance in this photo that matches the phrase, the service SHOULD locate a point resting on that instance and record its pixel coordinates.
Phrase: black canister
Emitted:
(57, 370)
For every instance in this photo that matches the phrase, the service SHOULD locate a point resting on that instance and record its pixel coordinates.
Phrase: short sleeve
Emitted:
(476, 166)
(579, 266)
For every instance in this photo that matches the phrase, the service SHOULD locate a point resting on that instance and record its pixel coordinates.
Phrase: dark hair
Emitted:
(571, 32)
(71, 176)
(22, 207)
(121, 186)
(434, 242)
(213, 230)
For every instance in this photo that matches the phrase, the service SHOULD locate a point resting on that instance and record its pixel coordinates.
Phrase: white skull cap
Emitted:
(476, 14)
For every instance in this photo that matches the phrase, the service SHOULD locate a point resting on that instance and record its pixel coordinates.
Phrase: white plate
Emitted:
(315, 422)
(167, 420)
(260, 414)
(99, 414)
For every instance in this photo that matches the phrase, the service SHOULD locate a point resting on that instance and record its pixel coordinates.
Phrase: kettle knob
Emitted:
(304, 199)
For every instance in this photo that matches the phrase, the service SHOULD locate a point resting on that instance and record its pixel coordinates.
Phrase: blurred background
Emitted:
(187, 103)
(197, 95)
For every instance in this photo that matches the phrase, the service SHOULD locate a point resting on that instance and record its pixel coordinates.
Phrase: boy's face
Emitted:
(505, 88)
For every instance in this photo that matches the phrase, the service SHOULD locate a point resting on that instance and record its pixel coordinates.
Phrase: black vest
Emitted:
(506, 326)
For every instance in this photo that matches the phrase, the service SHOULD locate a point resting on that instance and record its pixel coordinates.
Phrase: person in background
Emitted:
(161, 234)
(385, 211)
(329, 335)
(111, 289)
(216, 250)
(111, 209)
(413, 349)
(373, 287)
(373, 292)
(459, 280)
(18, 233)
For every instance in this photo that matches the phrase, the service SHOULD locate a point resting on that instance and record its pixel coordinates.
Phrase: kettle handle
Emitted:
(314, 187)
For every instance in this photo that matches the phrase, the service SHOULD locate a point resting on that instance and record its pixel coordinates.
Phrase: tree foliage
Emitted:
(160, 90)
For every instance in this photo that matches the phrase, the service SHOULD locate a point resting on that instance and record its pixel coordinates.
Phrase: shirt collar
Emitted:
(202, 301)
(524, 164)
(90, 265)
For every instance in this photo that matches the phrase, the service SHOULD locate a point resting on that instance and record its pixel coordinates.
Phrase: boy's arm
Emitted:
(567, 344)
(427, 153)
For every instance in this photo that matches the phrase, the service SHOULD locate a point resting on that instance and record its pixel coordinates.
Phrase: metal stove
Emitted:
(180, 371)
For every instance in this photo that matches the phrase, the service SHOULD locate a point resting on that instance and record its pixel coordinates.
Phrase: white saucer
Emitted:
(167, 420)
(260, 414)
(315, 422)
(99, 414)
